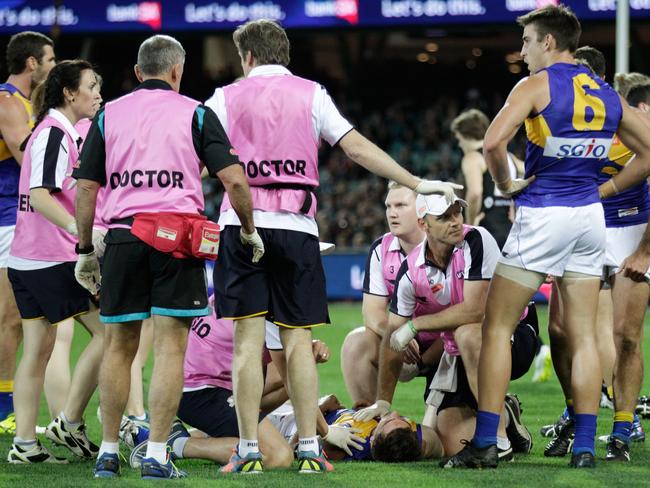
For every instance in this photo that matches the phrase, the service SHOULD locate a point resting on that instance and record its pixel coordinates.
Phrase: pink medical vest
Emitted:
(36, 237)
(426, 301)
(270, 126)
(151, 162)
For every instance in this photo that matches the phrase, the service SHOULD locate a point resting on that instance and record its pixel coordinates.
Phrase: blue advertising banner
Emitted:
(344, 274)
(177, 15)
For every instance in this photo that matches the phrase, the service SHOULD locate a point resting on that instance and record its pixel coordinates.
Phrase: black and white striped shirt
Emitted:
(49, 154)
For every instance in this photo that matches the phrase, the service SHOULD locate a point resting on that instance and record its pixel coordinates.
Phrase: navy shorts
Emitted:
(211, 410)
(49, 293)
(287, 286)
(138, 281)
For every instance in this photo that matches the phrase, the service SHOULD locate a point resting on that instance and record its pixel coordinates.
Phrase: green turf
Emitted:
(542, 404)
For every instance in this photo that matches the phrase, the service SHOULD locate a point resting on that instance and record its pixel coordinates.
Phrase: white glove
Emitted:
(86, 271)
(254, 240)
(344, 438)
(402, 336)
(427, 187)
(515, 186)
(98, 242)
(378, 409)
(72, 228)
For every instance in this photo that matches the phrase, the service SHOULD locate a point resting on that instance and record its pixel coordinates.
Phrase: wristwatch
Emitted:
(83, 250)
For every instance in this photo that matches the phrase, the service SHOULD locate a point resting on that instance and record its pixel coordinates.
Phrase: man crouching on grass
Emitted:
(442, 285)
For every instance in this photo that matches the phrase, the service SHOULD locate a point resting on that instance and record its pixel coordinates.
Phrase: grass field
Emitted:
(542, 404)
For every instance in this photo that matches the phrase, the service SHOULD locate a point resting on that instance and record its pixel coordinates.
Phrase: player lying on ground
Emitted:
(391, 439)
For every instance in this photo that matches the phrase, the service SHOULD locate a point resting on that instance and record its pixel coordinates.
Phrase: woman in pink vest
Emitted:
(58, 373)
(41, 266)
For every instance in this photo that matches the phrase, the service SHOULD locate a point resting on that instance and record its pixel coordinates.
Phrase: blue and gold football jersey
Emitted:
(9, 167)
(569, 140)
(632, 206)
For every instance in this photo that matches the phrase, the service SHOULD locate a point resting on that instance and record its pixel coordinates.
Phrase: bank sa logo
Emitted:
(587, 148)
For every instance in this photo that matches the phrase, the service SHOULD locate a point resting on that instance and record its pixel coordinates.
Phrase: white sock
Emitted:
(139, 417)
(72, 425)
(157, 451)
(25, 443)
(179, 445)
(109, 448)
(309, 444)
(247, 446)
(503, 443)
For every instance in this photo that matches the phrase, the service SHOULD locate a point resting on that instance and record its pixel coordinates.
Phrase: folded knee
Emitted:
(279, 457)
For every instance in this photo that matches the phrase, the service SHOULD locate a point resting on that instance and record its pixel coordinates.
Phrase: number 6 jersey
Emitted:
(569, 140)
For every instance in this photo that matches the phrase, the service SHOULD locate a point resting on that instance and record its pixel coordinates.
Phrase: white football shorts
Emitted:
(553, 240)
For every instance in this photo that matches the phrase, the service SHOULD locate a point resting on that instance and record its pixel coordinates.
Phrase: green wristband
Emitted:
(412, 327)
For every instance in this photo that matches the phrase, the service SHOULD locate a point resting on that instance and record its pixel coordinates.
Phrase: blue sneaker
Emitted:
(178, 431)
(637, 434)
(153, 470)
(107, 466)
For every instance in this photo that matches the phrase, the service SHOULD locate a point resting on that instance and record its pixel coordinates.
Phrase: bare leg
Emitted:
(247, 375)
(57, 373)
(120, 346)
(135, 405)
(39, 337)
(455, 424)
(505, 302)
(469, 338)
(86, 372)
(630, 302)
(605, 335)
(560, 352)
(359, 358)
(217, 449)
(303, 378)
(276, 451)
(169, 343)
(580, 299)
(11, 333)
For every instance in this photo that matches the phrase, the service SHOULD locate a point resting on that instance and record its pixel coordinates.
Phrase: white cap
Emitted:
(435, 204)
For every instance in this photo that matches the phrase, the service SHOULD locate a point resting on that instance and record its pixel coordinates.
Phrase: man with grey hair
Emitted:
(276, 121)
(148, 148)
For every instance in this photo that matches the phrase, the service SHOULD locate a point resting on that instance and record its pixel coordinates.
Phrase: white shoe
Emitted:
(35, 455)
(74, 439)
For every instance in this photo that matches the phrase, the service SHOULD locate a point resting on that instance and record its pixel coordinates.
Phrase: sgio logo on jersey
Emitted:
(588, 148)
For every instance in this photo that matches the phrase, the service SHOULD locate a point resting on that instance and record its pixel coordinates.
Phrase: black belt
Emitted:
(125, 221)
(308, 189)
